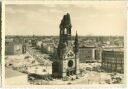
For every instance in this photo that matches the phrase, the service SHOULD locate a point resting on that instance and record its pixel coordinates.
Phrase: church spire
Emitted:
(65, 28)
(76, 43)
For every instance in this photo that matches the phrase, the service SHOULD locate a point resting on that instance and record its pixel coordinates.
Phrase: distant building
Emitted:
(48, 48)
(24, 48)
(98, 54)
(87, 54)
(13, 48)
(38, 44)
(33, 42)
(113, 60)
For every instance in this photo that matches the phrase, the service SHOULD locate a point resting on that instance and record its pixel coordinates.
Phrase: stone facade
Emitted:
(113, 60)
(90, 54)
(67, 62)
(13, 48)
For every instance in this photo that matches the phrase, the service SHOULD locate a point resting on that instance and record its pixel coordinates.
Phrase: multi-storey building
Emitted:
(13, 48)
(113, 60)
(87, 54)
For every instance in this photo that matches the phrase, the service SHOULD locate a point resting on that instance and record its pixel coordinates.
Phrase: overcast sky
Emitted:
(29, 19)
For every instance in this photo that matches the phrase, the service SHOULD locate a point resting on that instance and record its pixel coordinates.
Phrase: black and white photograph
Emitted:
(65, 44)
(0, 43)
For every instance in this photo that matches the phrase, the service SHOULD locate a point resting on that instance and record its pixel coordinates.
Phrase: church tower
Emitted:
(67, 62)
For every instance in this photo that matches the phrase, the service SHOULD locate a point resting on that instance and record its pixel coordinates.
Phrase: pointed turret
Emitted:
(76, 44)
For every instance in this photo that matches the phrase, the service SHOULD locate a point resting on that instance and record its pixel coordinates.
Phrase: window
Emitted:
(70, 63)
(65, 31)
(44, 70)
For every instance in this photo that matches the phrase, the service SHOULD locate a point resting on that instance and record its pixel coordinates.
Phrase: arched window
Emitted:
(65, 31)
(61, 31)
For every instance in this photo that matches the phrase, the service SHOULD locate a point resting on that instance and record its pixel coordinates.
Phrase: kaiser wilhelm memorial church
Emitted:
(67, 61)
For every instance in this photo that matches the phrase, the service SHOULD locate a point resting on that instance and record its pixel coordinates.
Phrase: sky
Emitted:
(44, 19)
